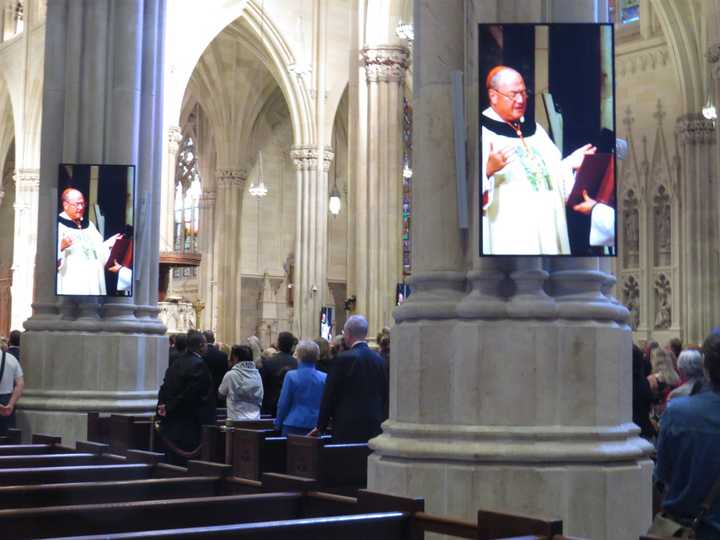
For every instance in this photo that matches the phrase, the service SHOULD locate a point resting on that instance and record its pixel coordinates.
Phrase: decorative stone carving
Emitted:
(231, 178)
(662, 227)
(712, 55)
(177, 316)
(174, 139)
(649, 60)
(631, 231)
(631, 299)
(27, 180)
(694, 128)
(385, 63)
(305, 158)
(663, 303)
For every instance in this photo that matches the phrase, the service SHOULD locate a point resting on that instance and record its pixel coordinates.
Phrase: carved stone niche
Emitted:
(631, 299)
(663, 302)
(631, 231)
(662, 225)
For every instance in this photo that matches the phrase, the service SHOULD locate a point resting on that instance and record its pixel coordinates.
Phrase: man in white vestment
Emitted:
(525, 181)
(82, 252)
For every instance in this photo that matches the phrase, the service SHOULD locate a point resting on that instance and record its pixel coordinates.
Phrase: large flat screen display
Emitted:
(95, 222)
(547, 141)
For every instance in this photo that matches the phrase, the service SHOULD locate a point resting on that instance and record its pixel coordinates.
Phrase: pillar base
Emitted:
(68, 374)
(594, 500)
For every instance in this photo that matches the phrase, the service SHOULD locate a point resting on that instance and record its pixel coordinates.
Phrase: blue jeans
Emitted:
(6, 421)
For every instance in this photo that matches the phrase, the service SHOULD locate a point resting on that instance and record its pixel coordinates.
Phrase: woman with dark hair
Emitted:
(643, 393)
(242, 385)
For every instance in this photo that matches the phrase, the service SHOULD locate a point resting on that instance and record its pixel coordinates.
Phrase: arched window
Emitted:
(624, 11)
(188, 189)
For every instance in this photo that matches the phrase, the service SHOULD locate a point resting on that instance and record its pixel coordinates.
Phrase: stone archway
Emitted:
(7, 221)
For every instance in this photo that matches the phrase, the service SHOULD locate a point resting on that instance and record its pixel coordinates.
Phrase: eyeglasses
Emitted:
(513, 96)
(75, 204)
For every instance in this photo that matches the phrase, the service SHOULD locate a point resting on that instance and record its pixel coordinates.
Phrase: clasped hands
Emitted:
(6, 410)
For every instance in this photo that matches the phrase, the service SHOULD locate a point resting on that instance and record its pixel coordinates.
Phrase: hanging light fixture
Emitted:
(708, 111)
(335, 203)
(259, 189)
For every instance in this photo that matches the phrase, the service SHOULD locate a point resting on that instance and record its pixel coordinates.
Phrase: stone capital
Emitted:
(27, 179)
(385, 63)
(174, 139)
(306, 157)
(695, 129)
(232, 178)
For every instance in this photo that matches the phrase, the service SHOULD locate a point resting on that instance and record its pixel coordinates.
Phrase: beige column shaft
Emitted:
(510, 377)
(698, 160)
(27, 183)
(228, 226)
(310, 279)
(378, 196)
(167, 205)
(206, 242)
(102, 103)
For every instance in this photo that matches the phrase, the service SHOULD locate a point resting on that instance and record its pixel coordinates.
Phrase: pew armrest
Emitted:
(207, 468)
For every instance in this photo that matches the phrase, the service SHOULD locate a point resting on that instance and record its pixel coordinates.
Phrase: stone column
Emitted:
(27, 182)
(167, 205)
(102, 103)
(228, 279)
(206, 242)
(510, 377)
(698, 167)
(310, 279)
(378, 196)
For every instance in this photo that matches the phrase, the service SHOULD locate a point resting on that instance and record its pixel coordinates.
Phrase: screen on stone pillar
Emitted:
(547, 142)
(94, 230)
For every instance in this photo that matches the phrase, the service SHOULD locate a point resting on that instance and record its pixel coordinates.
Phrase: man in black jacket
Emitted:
(216, 360)
(356, 390)
(186, 401)
(273, 372)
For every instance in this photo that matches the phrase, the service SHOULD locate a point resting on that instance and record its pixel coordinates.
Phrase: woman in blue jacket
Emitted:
(299, 404)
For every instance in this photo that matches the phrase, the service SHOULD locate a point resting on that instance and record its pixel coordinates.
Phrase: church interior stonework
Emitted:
(298, 157)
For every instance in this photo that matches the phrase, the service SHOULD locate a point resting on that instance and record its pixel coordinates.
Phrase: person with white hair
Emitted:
(302, 389)
(356, 393)
(690, 366)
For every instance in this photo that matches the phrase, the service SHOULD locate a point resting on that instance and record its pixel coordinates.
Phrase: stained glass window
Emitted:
(407, 185)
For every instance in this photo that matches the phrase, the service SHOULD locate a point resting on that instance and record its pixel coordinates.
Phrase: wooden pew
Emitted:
(86, 473)
(333, 465)
(53, 460)
(254, 452)
(98, 428)
(14, 436)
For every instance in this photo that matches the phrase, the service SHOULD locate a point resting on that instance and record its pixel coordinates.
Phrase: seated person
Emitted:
(242, 385)
(687, 466)
(299, 404)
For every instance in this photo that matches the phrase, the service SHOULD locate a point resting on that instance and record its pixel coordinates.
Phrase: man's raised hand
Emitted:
(575, 160)
(65, 243)
(498, 159)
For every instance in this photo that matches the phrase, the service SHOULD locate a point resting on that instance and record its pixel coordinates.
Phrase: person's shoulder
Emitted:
(10, 359)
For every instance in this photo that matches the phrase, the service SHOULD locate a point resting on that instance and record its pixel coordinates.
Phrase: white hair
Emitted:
(307, 351)
(356, 326)
(690, 364)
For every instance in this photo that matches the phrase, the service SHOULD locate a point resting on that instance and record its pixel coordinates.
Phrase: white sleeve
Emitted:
(124, 279)
(223, 388)
(602, 225)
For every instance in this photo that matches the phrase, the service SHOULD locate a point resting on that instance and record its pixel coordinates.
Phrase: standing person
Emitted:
(216, 360)
(14, 344)
(299, 404)
(186, 401)
(525, 181)
(356, 391)
(82, 252)
(690, 366)
(689, 443)
(242, 385)
(274, 370)
(11, 388)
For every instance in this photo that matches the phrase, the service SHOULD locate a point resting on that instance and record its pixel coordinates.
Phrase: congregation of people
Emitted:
(309, 387)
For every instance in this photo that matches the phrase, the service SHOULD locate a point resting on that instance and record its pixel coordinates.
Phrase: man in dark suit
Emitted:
(356, 390)
(273, 372)
(186, 401)
(216, 360)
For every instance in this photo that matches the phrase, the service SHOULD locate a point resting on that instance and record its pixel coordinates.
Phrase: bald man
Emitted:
(525, 181)
(82, 253)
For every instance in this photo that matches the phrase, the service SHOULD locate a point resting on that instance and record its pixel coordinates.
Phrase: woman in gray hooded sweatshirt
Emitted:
(242, 385)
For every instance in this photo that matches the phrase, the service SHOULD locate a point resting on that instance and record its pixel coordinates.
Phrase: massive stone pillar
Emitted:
(227, 241)
(511, 377)
(698, 165)
(378, 196)
(27, 182)
(206, 241)
(102, 103)
(310, 280)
